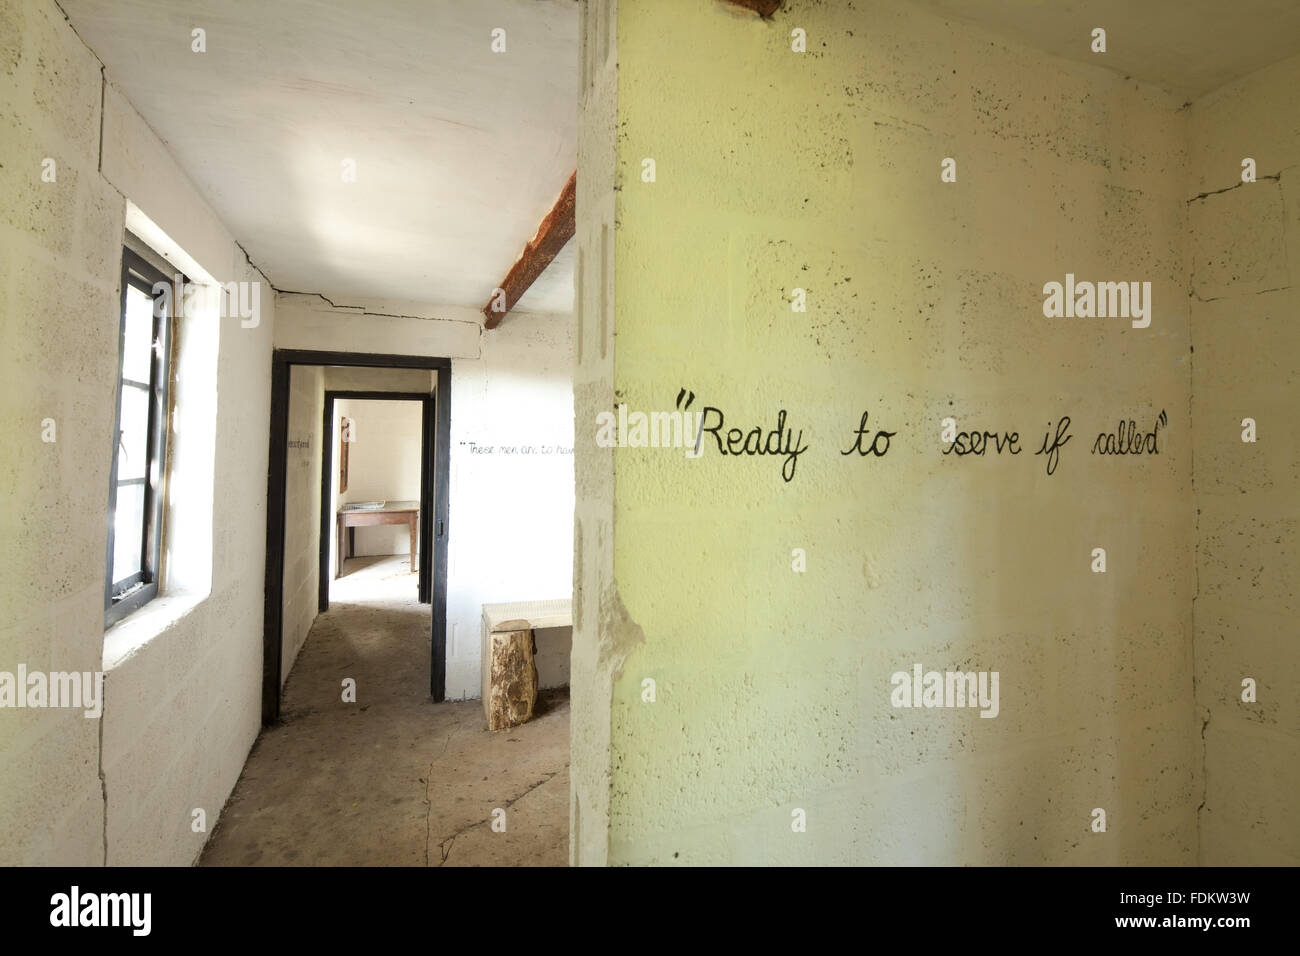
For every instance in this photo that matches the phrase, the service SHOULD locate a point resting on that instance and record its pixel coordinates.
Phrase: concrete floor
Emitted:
(392, 779)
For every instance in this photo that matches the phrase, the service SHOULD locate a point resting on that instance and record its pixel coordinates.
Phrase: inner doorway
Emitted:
(375, 484)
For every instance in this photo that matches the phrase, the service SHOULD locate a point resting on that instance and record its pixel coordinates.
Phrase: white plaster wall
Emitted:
(511, 521)
(383, 465)
(59, 266)
(510, 530)
(182, 692)
(301, 596)
(554, 647)
(386, 328)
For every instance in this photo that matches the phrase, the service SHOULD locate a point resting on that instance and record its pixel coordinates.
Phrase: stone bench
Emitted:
(508, 668)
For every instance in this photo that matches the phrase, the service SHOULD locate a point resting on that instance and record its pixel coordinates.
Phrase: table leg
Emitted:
(352, 542)
(413, 567)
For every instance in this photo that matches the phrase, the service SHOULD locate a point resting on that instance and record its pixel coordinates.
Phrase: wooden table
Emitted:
(393, 512)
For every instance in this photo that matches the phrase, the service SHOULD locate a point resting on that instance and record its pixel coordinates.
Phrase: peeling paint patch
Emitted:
(619, 634)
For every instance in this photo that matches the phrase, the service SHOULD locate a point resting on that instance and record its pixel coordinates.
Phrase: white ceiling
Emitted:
(460, 152)
(1189, 47)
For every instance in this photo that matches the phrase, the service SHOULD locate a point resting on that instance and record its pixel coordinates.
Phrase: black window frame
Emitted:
(133, 592)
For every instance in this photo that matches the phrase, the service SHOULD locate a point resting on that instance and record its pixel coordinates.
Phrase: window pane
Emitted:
(133, 440)
(128, 531)
(137, 352)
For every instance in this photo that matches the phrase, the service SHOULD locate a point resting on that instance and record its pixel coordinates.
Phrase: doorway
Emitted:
(390, 497)
(433, 516)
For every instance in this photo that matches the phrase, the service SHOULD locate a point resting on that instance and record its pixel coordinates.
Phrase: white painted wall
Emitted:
(182, 691)
(553, 647)
(511, 520)
(383, 465)
(386, 328)
(510, 529)
(301, 596)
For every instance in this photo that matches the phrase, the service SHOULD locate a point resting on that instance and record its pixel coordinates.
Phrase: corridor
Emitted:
(392, 779)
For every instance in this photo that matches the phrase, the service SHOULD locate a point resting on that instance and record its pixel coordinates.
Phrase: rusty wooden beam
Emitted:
(556, 229)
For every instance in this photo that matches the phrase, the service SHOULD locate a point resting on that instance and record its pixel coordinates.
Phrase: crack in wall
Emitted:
(1286, 246)
(1202, 710)
(253, 265)
(900, 123)
(361, 310)
(1205, 769)
(103, 784)
(1219, 298)
(1196, 520)
(103, 709)
(99, 168)
(103, 86)
(1276, 177)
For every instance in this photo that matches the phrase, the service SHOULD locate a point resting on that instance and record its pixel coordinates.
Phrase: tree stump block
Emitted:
(512, 675)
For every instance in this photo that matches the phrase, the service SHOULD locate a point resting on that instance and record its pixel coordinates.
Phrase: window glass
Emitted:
(133, 438)
(128, 530)
(137, 351)
(139, 446)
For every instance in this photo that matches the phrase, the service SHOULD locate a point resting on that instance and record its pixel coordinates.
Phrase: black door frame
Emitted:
(428, 442)
(282, 360)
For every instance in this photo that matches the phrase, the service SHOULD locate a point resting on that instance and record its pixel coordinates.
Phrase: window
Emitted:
(139, 455)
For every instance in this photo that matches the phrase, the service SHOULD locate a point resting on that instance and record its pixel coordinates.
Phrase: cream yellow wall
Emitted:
(601, 632)
(1245, 259)
(821, 170)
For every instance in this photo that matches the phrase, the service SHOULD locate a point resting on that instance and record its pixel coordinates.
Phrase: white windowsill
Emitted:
(140, 627)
